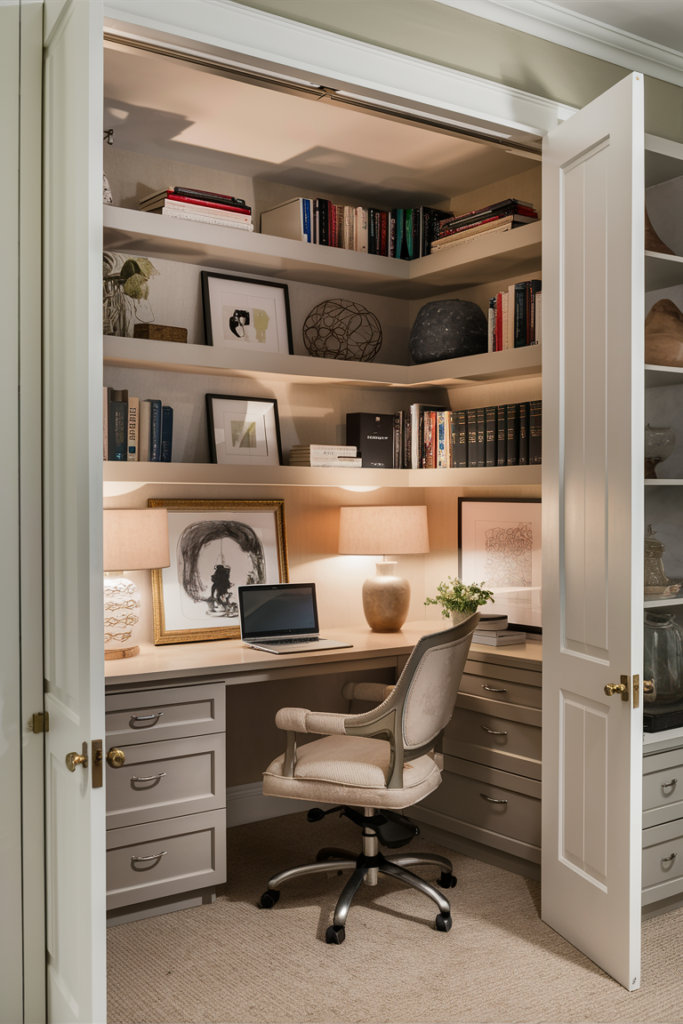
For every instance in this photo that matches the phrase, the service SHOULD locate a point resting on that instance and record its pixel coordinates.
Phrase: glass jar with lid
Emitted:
(663, 661)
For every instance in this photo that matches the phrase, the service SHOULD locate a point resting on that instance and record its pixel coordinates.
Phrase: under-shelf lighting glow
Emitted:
(359, 489)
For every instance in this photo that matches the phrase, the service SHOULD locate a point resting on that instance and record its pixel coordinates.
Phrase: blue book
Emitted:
(155, 431)
(166, 434)
(307, 218)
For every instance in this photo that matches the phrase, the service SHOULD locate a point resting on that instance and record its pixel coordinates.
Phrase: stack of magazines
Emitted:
(493, 630)
(334, 456)
(195, 204)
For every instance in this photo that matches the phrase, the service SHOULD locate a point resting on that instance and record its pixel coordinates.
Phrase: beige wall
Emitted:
(434, 32)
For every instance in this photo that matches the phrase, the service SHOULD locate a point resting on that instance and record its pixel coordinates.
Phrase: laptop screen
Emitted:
(280, 609)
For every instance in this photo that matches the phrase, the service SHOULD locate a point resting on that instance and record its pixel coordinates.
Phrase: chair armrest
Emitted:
(366, 691)
(301, 720)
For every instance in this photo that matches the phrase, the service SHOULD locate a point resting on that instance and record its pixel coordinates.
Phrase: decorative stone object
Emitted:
(664, 334)
(447, 329)
(340, 329)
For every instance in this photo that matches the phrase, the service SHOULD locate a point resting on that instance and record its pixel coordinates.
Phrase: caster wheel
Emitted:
(334, 935)
(269, 899)
(444, 922)
(447, 880)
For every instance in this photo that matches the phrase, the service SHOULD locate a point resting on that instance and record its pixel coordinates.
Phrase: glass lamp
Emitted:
(133, 539)
(382, 529)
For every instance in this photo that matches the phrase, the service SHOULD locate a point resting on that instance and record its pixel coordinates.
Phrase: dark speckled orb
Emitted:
(446, 329)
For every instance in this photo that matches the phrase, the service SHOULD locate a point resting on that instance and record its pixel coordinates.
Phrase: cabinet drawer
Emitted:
(493, 740)
(662, 854)
(500, 690)
(662, 787)
(193, 849)
(505, 673)
(492, 804)
(172, 713)
(163, 780)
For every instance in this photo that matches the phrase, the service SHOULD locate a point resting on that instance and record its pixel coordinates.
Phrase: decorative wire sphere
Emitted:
(338, 329)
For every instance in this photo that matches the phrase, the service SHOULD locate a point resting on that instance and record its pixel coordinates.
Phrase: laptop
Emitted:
(282, 618)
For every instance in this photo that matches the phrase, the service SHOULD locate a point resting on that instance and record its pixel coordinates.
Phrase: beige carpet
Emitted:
(234, 964)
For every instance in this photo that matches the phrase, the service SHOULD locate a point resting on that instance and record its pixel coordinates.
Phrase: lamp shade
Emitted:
(135, 538)
(383, 530)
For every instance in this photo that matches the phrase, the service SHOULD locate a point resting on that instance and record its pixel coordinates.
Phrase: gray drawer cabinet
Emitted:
(662, 820)
(490, 794)
(166, 822)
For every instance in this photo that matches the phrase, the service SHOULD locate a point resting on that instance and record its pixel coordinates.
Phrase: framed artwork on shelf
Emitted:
(215, 547)
(246, 315)
(243, 431)
(499, 547)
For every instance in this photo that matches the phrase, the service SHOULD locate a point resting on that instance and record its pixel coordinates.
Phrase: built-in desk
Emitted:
(188, 724)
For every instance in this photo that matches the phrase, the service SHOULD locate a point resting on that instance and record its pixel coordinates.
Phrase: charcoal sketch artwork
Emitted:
(508, 555)
(214, 557)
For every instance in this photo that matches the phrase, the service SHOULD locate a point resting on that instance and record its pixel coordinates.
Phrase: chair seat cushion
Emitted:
(350, 770)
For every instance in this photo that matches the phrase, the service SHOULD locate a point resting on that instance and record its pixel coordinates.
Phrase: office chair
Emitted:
(380, 761)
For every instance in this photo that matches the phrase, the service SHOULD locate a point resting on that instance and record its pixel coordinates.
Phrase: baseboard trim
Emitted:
(244, 804)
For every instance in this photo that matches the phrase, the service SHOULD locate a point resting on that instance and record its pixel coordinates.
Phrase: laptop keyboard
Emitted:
(293, 640)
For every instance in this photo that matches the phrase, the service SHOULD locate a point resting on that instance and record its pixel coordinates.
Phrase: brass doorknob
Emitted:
(73, 759)
(115, 757)
(622, 688)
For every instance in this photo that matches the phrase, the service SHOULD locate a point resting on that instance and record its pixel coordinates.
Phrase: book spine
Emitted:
(523, 416)
(407, 442)
(538, 317)
(397, 439)
(501, 443)
(105, 424)
(441, 449)
(383, 234)
(361, 229)
(471, 419)
(408, 235)
(133, 429)
(155, 431)
(535, 433)
(372, 233)
(460, 454)
(499, 322)
(520, 315)
(334, 451)
(512, 435)
(511, 317)
(118, 429)
(491, 430)
(427, 449)
(481, 438)
(214, 197)
(415, 423)
(306, 219)
(143, 431)
(399, 233)
(167, 434)
(492, 324)
(208, 209)
(201, 219)
(316, 221)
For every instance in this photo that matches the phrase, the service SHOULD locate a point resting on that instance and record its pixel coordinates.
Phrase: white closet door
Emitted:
(72, 419)
(593, 243)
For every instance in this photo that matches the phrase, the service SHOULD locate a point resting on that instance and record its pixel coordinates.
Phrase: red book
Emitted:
(383, 234)
(201, 202)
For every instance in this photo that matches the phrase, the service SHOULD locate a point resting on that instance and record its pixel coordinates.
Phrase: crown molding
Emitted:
(267, 40)
(555, 24)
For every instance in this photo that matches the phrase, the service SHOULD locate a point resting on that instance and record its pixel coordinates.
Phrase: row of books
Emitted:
(195, 204)
(404, 234)
(502, 435)
(330, 456)
(135, 430)
(502, 216)
(515, 316)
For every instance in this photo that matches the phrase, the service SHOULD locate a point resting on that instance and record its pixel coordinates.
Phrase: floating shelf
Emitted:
(483, 259)
(663, 602)
(129, 475)
(136, 353)
(662, 271)
(663, 483)
(662, 376)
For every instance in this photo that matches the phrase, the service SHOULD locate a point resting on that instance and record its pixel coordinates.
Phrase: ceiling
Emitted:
(659, 21)
(174, 109)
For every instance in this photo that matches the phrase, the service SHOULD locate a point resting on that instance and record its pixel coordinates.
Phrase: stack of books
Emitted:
(336, 456)
(493, 219)
(431, 437)
(399, 234)
(493, 630)
(515, 316)
(134, 430)
(195, 204)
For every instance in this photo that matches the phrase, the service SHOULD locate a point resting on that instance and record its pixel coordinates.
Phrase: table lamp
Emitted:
(382, 529)
(133, 539)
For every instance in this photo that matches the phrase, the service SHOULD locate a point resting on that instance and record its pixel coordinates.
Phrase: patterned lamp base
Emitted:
(121, 616)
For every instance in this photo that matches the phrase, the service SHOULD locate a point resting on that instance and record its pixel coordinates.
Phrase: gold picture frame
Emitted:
(251, 533)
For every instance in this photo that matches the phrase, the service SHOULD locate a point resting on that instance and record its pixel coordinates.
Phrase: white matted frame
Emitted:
(243, 431)
(246, 315)
(499, 547)
(215, 547)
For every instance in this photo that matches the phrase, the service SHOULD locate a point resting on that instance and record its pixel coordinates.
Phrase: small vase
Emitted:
(458, 617)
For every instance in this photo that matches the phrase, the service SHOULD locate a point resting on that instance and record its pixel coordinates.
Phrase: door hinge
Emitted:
(40, 722)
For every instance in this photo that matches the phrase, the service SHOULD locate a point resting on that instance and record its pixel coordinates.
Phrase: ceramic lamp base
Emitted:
(121, 616)
(386, 599)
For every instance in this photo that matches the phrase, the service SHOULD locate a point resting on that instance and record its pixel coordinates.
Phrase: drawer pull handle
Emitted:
(146, 718)
(492, 689)
(666, 785)
(494, 732)
(668, 860)
(152, 856)
(147, 778)
(492, 800)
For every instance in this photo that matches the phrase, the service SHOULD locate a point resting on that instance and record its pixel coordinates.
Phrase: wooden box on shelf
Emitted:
(160, 332)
